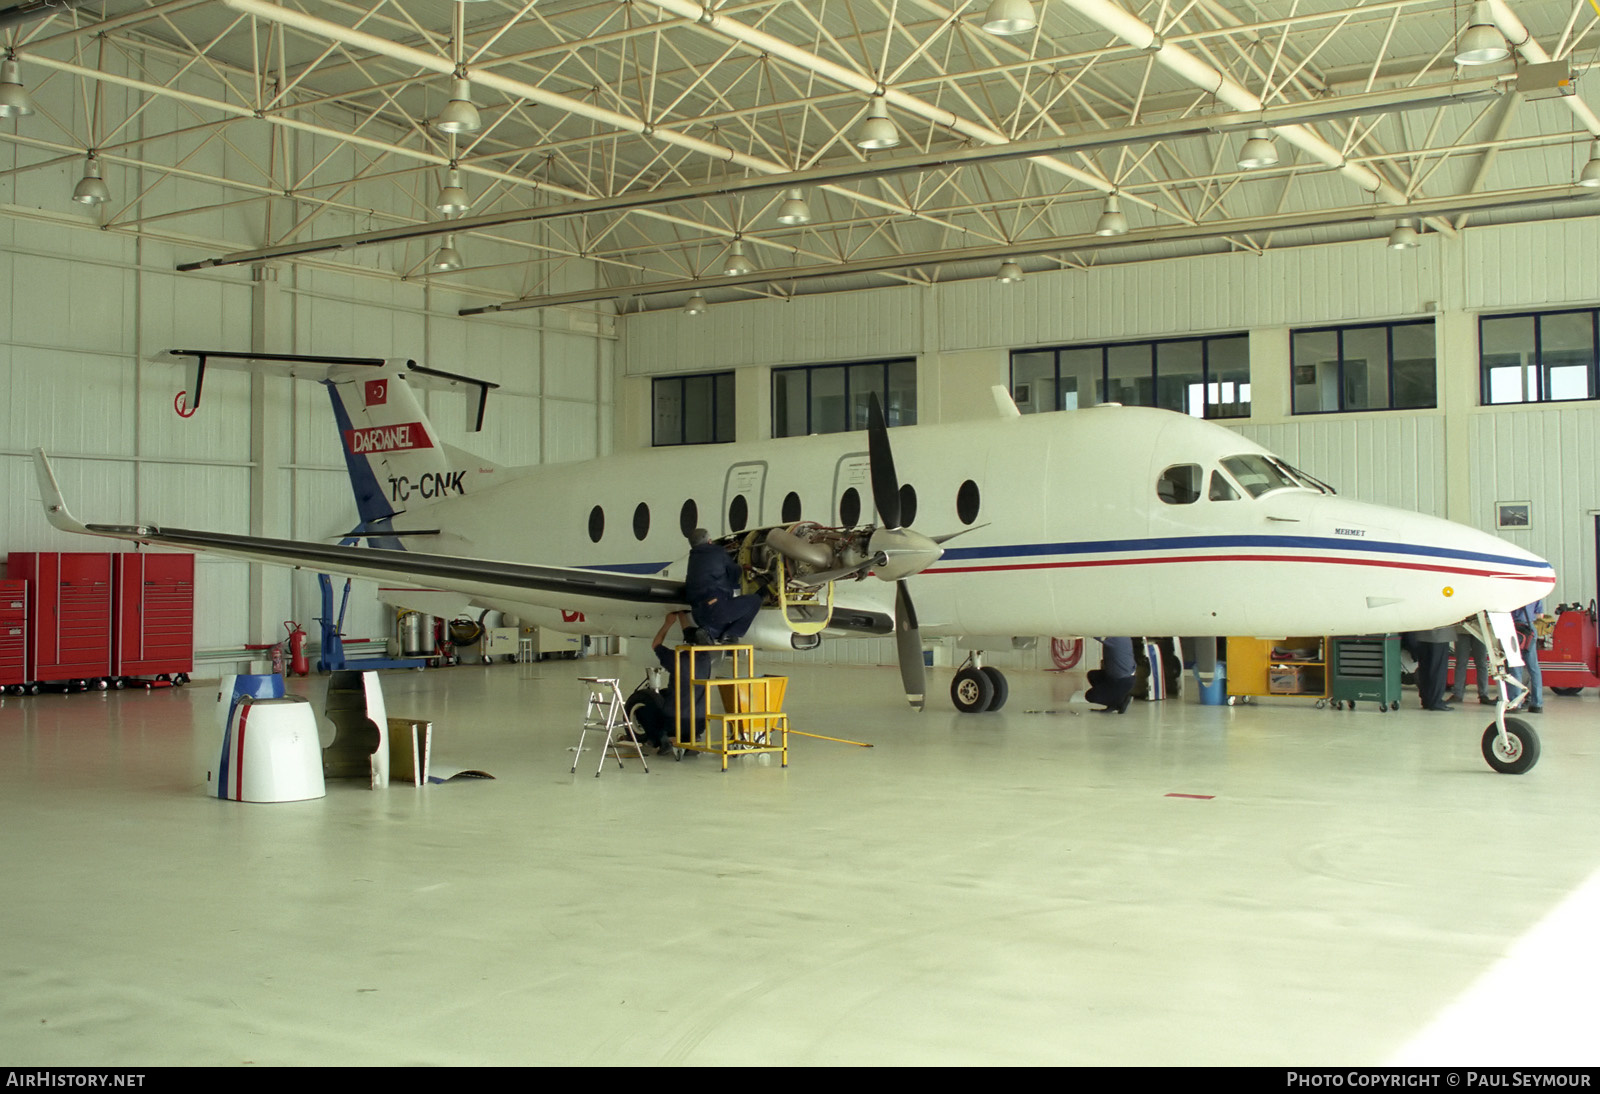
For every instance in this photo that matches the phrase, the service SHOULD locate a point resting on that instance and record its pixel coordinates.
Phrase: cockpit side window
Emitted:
(1257, 474)
(1180, 484)
(1221, 488)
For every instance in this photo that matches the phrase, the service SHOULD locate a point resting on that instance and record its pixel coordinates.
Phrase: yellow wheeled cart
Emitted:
(1283, 666)
(751, 718)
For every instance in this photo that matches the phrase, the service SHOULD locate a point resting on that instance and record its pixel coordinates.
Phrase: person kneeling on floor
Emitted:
(654, 708)
(1111, 685)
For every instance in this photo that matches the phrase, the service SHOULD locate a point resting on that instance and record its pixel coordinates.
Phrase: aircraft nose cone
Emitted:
(1487, 573)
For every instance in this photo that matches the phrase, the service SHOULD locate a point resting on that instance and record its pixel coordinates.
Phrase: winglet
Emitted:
(1004, 403)
(55, 506)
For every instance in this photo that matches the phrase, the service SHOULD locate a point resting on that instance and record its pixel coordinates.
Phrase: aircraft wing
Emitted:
(479, 578)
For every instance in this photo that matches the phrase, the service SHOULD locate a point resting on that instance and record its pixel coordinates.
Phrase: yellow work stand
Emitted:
(752, 719)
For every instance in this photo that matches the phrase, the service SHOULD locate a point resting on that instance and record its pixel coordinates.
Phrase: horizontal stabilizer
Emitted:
(301, 366)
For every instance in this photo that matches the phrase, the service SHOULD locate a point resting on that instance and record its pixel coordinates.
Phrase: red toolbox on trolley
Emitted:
(154, 614)
(13, 634)
(69, 609)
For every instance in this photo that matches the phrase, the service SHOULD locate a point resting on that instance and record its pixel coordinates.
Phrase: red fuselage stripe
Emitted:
(1148, 561)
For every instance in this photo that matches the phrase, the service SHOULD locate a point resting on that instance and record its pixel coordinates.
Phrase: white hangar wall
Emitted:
(1456, 460)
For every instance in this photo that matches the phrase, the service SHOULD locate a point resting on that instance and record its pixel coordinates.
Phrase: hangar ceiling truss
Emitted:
(627, 148)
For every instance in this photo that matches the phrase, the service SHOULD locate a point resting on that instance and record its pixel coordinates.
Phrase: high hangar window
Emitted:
(834, 398)
(1202, 377)
(1547, 357)
(1376, 366)
(692, 409)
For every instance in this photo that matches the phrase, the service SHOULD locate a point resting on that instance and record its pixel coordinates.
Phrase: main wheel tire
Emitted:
(1518, 753)
(971, 691)
(1569, 692)
(1002, 689)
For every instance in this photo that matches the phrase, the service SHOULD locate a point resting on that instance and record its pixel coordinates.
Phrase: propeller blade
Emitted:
(948, 536)
(885, 485)
(908, 642)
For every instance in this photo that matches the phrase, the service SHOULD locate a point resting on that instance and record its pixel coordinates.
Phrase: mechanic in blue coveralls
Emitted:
(713, 588)
(655, 709)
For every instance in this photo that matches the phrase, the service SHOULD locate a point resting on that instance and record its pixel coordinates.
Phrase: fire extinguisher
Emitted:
(296, 642)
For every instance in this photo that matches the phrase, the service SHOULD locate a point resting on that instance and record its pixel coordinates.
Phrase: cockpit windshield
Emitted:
(1258, 475)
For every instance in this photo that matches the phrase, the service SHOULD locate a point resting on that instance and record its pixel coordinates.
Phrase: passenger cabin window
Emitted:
(1180, 484)
(1257, 474)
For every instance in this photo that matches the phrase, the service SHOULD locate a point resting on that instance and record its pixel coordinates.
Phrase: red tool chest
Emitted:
(69, 610)
(154, 614)
(13, 634)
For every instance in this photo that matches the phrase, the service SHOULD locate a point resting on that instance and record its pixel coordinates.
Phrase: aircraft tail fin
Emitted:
(396, 459)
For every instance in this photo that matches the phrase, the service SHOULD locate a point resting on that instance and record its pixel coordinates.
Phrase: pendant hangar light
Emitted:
(1010, 273)
(91, 189)
(452, 196)
(447, 258)
(15, 102)
(459, 115)
(1481, 43)
(1007, 17)
(1405, 235)
(878, 131)
(794, 210)
(1113, 221)
(695, 305)
(736, 264)
(1258, 151)
(1590, 176)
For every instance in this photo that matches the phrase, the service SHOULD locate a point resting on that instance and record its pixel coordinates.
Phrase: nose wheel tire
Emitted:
(1517, 753)
(972, 691)
(1002, 689)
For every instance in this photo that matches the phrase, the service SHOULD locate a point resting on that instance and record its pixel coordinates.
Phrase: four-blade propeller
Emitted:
(897, 553)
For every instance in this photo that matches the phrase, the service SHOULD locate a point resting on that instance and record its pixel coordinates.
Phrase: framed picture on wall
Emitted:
(1513, 514)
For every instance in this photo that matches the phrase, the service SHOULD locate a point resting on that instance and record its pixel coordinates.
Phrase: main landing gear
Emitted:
(978, 687)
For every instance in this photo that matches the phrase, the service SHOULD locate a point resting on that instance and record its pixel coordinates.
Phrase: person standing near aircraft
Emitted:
(712, 585)
(1470, 648)
(1526, 619)
(1111, 685)
(1432, 651)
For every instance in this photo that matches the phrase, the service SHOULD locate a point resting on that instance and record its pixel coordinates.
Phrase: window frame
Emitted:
(1540, 368)
(1339, 331)
(1209, 381)
(716, 411)
(847, 372)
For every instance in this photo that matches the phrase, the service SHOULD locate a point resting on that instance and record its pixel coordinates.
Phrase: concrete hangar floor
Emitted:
(1343, 888)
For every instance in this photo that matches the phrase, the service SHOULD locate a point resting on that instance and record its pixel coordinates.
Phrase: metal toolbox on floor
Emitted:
(13, 634)
(69, 610)
(1366, 669)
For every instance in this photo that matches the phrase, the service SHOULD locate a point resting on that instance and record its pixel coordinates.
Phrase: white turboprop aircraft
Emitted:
(1110, 520)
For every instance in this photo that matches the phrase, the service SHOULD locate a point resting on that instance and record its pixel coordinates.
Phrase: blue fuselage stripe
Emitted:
(1167, 544)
